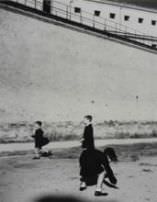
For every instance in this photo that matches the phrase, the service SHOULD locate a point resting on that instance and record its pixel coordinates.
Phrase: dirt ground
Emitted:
(23, 179)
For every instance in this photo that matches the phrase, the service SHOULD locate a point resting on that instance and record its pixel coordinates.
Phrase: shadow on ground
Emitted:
(54, 198)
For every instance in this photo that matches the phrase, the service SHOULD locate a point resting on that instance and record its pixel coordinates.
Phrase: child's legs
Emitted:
(37, 152)
(100, 181)
(82, 182)
(83, 185)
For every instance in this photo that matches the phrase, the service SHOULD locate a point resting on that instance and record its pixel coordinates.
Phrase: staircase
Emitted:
(84, 21)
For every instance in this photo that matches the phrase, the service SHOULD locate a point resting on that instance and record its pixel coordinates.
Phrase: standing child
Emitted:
(87, 142)
(38, 139)
(88, 135)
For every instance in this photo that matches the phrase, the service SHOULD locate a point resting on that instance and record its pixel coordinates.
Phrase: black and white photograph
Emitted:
(78, 100)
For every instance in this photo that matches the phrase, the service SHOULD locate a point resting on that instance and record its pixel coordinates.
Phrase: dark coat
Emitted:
(92, 163)
(88, 137)
(38, 137)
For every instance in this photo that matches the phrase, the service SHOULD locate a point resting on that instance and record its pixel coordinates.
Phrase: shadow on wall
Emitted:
(54, 198)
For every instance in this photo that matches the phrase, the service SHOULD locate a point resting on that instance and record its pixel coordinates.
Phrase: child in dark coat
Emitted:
(88, 135)
(38, 139)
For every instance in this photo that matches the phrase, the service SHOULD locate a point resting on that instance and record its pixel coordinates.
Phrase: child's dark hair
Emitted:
(111, 154)
(89, 117)
(39, 123)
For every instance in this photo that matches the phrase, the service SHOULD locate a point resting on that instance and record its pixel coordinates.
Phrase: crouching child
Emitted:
(94, 169)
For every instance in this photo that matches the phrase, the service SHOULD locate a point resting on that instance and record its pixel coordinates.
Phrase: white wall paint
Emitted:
(52, 73)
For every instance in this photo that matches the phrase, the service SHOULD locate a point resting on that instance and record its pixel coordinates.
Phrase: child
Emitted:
(94, 168)
(87, 143)
(38, 139)
(88, 137)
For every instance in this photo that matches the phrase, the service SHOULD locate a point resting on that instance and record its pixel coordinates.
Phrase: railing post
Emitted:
(35, 3)
(81, 17)
(125, 31)
(144, 40)
(70, 8)
(93, 21)
(135, 36)
(66, 12)
(116, 27)
(70, 12)
(105, 24)
(25, 2)
(52, 6)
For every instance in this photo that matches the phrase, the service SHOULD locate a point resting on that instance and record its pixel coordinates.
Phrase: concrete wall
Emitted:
(52, 73)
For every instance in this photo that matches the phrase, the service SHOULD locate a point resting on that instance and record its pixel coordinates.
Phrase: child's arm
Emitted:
(34, 134)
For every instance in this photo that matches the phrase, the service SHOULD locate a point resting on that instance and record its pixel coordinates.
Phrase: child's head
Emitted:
(88, 119)
(38, 124)
(111, 154)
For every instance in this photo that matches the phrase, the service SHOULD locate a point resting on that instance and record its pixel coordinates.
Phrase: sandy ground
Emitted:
(24, 180)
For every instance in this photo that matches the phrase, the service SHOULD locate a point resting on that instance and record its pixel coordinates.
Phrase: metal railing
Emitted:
(66, 11)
